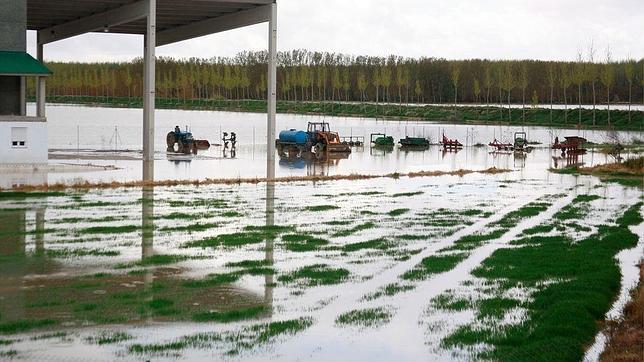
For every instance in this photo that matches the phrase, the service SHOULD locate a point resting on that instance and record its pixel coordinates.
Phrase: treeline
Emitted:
(316, 76)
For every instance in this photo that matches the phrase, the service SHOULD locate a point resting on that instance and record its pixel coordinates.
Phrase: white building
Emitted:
(23, 138)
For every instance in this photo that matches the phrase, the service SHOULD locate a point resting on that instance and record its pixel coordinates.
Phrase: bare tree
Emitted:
(629, 72)
(456, 74)
(564, 81)
(591, 74)
(578, 79)
(608, 78)
(523, 82)
(476, 89)
(552, 81)
(507, 83)
(487, 83)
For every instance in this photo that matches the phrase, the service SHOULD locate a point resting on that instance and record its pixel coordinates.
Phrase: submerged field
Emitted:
(478, 266)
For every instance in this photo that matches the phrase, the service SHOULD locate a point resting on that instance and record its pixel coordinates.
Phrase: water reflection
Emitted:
(270, 242)
(315, 164)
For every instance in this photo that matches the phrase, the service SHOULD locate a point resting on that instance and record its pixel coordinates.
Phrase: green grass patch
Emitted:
(449, 302)
(433, 265)
(389, 290)
(473, 241)
(248, 264)
(109, 337)
(110, 229)
(67, 253)
(161, 259)
(213, 280)
(364, 226)
(244, 339)
(380, 243)
(369, 317)
(407, 194)
(316, 208)
(303, 242)
(24, 325)
(195, 227)
(230, 240)
(539, 229)
(314, 275)
(11, 354)
(397, 212)
(583, 277)
(337, 222)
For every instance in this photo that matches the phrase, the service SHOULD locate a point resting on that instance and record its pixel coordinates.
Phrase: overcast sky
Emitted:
(494, 29)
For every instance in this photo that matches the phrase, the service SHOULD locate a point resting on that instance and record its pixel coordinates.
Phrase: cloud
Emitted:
(496, 29)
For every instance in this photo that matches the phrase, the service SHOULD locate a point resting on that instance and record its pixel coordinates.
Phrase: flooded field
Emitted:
(482, 266)
(434, 267)
(74, 140)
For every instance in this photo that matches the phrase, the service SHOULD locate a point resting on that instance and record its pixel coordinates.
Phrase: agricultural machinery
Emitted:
(449, 144)
(183, 142)
(382, 140)
(414, 142)
(317, 137)
(520, 144)
(572, 144)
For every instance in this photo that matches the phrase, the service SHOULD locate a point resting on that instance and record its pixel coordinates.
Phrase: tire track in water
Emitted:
(404, 324)
(414, 302)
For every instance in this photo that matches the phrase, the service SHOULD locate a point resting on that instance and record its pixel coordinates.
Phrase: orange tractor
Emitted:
(324, 140)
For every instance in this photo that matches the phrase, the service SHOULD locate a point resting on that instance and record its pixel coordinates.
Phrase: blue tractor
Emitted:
(181, 141)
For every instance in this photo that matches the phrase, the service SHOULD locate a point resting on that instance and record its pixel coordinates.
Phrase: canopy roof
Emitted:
(59, 19)
(21, 64)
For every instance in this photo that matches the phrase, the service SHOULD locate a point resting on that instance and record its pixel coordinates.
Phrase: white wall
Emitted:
(36, 150)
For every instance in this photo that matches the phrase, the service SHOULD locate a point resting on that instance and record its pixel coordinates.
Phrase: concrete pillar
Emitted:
(149, 83)
(40, 101)
(23, 96)
(272, 93)
(39, 56)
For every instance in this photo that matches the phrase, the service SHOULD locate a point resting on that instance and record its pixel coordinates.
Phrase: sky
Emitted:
(456, 29)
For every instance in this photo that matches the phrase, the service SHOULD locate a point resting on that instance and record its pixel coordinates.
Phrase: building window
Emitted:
(19, 137)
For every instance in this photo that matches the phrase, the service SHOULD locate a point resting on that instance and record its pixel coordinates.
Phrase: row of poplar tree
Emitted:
(317, 76)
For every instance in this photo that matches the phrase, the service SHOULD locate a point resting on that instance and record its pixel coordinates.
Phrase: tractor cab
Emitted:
(324, 139)
(315, 127)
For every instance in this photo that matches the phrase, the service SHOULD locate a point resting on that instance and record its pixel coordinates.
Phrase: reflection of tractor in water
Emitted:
(318, 137)
(183, 142)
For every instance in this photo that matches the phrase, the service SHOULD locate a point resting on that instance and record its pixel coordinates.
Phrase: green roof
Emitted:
(21, 63)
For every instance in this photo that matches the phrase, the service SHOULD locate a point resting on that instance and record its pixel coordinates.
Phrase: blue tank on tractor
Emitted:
(293, 136)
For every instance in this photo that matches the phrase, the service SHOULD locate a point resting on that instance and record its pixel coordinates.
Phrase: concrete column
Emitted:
(39, 56)
(149, 83)
(23, 96)
(272, 92)
(40, 101)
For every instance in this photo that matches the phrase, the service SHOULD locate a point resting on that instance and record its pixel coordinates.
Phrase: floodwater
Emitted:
(274, 271)
(112, 136)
